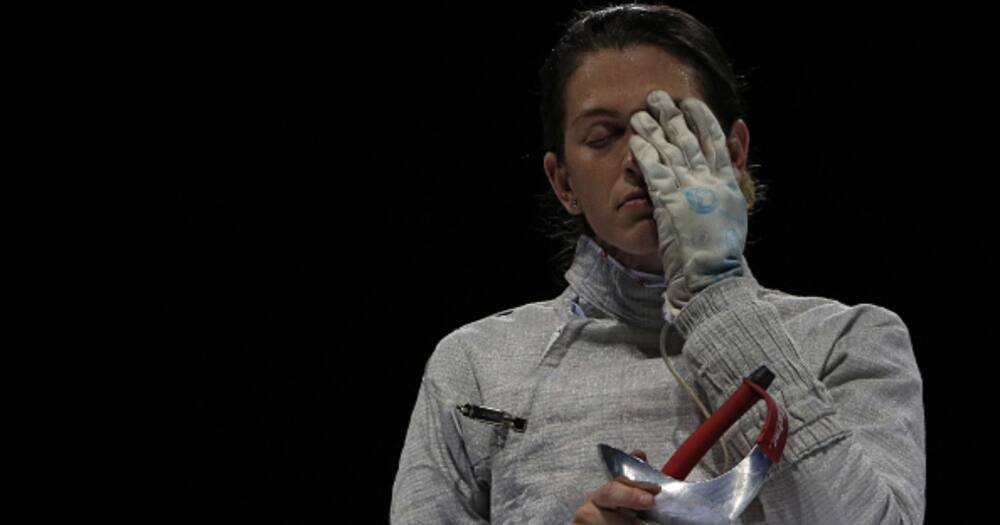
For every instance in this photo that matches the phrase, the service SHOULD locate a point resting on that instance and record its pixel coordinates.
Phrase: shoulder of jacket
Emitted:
(539, 313)
(505, 329)
(830, 315)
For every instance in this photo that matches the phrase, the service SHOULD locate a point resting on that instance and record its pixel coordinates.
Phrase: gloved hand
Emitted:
(700, 212)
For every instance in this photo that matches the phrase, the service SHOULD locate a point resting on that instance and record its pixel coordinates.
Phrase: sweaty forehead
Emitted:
(621, 80)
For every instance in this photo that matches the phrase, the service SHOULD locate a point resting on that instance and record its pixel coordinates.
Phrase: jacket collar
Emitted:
(606, 288)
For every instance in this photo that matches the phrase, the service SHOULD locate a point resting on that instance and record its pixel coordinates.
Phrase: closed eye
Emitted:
(603, 142)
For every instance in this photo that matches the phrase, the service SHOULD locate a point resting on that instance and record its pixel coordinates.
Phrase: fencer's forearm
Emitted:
(855, 452)
(841, 484)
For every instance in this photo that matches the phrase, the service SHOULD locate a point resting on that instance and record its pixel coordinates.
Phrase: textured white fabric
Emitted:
(846, 374)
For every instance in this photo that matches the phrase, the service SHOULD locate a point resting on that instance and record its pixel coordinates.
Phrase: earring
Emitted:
(575, 203)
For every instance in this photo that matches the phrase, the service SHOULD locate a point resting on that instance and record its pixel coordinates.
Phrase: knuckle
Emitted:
(585, 514)
(659, 96)
(605, 493)
(692, 103)
(644, 122)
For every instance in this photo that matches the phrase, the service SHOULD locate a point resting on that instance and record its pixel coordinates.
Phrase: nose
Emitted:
(628, 162)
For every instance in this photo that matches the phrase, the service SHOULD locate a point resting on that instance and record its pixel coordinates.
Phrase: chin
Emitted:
(641, 240)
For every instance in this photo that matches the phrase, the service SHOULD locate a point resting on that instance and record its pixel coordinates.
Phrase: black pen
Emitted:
(494, 416)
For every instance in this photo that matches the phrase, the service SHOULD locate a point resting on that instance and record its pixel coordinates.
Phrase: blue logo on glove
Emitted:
(702, 200)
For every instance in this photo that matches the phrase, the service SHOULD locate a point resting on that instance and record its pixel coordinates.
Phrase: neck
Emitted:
(643, 262)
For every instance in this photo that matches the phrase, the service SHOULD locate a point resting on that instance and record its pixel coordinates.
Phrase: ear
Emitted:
(738, 144)
(559, 180)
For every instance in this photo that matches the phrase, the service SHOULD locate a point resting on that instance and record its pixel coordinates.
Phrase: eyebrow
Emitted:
(606, 112)
(594, 112)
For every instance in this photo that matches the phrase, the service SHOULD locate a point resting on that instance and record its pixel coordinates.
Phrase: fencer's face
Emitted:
(602, 94)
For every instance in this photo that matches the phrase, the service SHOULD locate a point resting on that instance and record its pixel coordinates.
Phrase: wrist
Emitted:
(719, 297)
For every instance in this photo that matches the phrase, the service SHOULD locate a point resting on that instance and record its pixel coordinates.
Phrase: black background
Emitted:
(327, 195)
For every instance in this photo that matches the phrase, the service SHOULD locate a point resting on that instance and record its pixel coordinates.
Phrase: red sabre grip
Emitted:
(683, 461)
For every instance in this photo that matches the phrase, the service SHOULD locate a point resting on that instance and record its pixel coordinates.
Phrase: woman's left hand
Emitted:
(700, 212)
(618, 501)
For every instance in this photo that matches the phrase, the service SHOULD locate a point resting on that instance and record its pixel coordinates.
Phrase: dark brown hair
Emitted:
(618, 27)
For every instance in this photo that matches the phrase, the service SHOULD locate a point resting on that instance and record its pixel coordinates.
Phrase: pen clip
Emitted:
(493, 416)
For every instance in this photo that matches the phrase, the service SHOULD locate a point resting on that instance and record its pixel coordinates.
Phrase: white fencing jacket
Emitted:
(585, 368)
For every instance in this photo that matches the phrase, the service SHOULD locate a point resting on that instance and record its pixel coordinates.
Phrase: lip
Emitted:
(641, 202)
(637, 198)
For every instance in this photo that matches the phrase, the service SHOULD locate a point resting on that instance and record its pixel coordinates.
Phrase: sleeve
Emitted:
(437, 481)
(856, 447)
